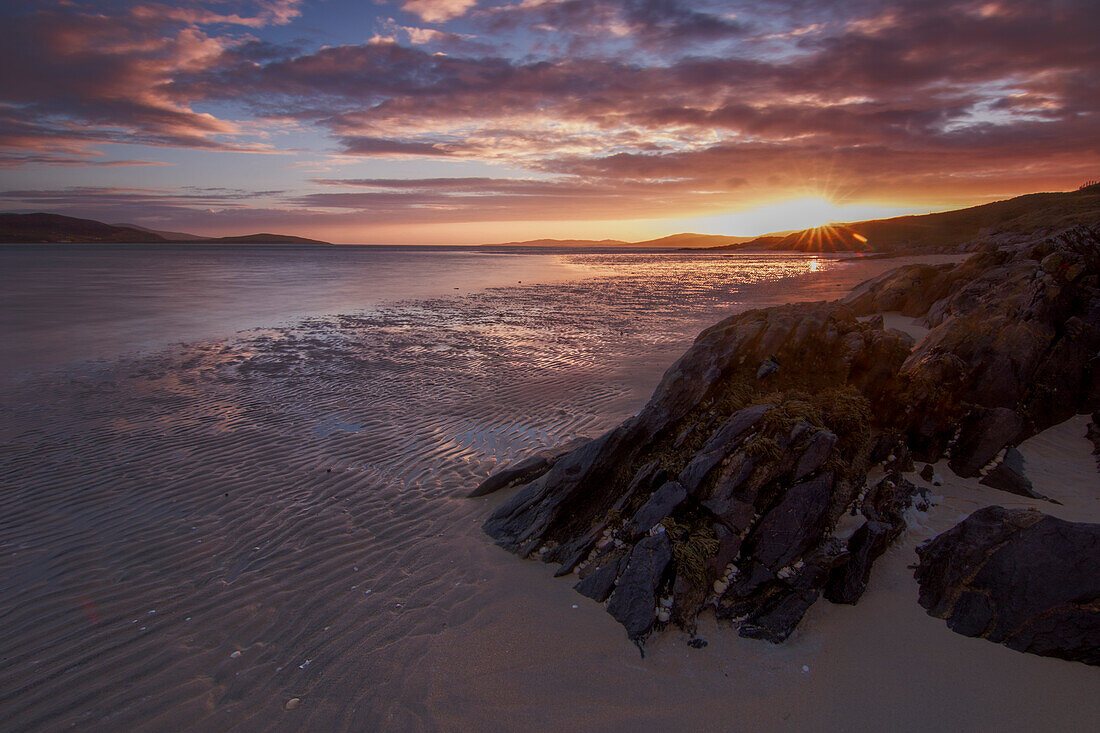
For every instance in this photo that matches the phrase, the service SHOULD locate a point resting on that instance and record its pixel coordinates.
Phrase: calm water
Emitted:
(60, 304)
(192, 535)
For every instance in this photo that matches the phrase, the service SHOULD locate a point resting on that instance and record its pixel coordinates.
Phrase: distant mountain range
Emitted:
(944, 231)
(57, 229)
(941, 232)
(170, 236)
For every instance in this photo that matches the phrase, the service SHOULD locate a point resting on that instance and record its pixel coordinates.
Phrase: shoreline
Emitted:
(157, 501)
(686, 494)
(881, 664)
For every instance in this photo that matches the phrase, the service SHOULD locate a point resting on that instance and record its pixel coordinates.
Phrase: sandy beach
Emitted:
(195, 537)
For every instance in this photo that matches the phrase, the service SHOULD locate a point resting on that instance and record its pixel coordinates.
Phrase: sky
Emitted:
(469, 121)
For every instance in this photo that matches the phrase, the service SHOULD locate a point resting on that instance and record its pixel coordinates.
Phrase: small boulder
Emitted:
(1009, 476)
(1017, 577)
(767, 368)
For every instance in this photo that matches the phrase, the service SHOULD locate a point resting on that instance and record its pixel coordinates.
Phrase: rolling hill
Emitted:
(943, 231)
(57, 229)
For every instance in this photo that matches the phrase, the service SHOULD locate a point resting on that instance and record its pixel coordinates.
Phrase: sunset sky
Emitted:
(440, 121)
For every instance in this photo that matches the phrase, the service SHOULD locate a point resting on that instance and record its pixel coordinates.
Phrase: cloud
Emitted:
(628, 106)
(14, 160)
(266, 12)
(128, 196)
(645, 24)
(375, 146)
(71, 79)
(438, 11)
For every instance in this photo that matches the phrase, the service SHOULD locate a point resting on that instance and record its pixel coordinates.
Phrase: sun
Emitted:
(832, 238)
(791, 215)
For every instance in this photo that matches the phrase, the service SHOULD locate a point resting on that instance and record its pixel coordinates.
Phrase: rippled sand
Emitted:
(193, 538)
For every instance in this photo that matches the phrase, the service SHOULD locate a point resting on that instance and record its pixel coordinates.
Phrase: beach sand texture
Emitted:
(193, 538)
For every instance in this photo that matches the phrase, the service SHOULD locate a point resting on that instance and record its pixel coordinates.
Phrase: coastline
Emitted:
(881, 664)
(333, 486)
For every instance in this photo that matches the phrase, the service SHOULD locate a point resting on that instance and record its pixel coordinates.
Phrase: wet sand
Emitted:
(192, 538)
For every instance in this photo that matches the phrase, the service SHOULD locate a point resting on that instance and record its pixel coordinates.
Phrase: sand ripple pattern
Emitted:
(295, 495)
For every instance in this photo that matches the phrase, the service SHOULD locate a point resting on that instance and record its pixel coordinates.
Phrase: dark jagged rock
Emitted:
(847, 583)
(1008, 475)
(746, 478)
(660, 505)
(778, 617)
(1013, 334)
(634, 602)
(928, 472)
(982, 434)
(887, 447)
(646, 481)
(734, 514)
(720, 445)
(599, 584)
(1017, 577)
(521, 523)
(817, 451)
(793, 526)
(729, 546)
(891, 497)
(884, 506)
(901, 460)
(523, 472)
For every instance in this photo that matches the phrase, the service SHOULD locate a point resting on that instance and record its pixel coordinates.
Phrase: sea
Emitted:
(233, 478)
(63, 304)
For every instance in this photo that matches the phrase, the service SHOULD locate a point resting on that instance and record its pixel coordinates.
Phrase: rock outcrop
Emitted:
(1021, 578)
(758, 440)
(1013, 348)
(523, 472)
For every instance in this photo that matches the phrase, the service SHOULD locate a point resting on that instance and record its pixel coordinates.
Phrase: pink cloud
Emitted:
(266, 12)
(438, 11)
(690, 101)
